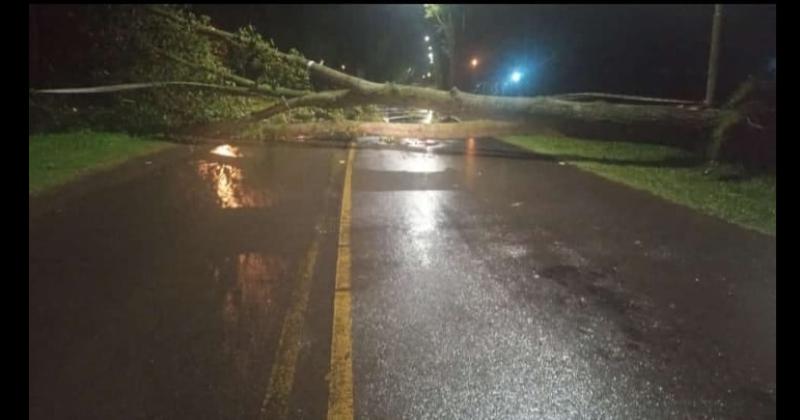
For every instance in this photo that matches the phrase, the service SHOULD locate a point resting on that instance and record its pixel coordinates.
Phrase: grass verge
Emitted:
(728, 192)
(56, 159)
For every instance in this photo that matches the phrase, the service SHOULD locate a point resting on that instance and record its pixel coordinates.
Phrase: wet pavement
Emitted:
(164, 296)
(486, 283)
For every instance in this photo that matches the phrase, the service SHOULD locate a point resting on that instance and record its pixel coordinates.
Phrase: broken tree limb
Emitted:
(230, 90)
(239, 80)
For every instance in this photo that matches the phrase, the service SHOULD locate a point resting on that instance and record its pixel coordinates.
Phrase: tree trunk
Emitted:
(666, 124)
(713, 55)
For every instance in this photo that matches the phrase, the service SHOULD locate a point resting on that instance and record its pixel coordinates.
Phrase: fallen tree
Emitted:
(588, 115)
(227, 131)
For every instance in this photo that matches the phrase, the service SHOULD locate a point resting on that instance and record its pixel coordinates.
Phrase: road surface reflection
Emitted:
(228, 183)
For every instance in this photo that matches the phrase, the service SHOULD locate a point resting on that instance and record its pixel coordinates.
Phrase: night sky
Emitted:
(659, 50)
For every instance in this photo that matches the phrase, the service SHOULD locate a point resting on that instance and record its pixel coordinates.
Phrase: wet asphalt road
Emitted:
(486, 283)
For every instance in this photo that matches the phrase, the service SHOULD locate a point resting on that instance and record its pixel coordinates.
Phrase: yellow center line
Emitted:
(340, 386)
(276, 400)
(275, 404)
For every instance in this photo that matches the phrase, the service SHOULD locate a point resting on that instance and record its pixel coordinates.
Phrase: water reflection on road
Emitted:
(164, 297)
(247, 303)
(229, 184)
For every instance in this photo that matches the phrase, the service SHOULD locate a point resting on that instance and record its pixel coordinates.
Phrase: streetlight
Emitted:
(344, 67)
(474, 63)
(516, 76)
(429, 74)
(427, 38)
(430, 57)
(430, 48)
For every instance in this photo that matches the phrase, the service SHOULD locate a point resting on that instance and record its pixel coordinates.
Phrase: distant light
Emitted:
(424, 76)
(429, 74)
(427, 38)
(474, 62)
(430, 48)
(344, 67)
(516, 76)
(430, 57)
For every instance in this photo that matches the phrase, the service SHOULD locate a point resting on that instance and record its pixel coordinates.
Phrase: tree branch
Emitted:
(327, 99)
(231, 90)
(259, 89)
(334, 76)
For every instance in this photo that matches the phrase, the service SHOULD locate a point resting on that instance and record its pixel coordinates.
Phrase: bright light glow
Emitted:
(516, 76)
(430, 57)
(474, 63)
(430, 48)
(423, 76)
(427, 38)
(429, 74)
(344, 67)
(227, 150)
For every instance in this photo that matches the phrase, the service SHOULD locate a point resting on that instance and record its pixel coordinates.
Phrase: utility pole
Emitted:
(713, 55)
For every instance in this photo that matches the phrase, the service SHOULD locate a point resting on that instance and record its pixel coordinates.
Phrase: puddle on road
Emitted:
(409, 143)
(469, 163)
(252, 287)
(402, 161)
(228, 183)
(248, 301)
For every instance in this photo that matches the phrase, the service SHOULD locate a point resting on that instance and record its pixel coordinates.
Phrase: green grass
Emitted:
(676, 175)
(55, 159)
